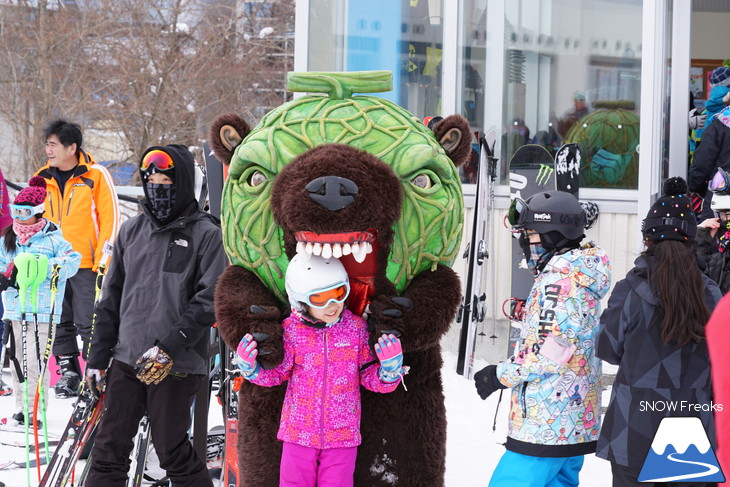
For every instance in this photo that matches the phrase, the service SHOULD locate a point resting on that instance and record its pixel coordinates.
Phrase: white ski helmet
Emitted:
(307, 275)
(720, 187)
(720, 202)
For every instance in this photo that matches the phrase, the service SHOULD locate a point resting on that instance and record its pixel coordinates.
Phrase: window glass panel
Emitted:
(572, 74)
(470, 84)
(402, 36)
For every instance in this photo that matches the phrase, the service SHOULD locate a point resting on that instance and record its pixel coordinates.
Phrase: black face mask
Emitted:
(161, 198)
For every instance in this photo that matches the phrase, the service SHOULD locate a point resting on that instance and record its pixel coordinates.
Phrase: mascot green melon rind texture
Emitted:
(360, 179)
(608, 138)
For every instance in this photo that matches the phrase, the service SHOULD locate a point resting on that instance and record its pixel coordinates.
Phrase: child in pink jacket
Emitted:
(326, 359)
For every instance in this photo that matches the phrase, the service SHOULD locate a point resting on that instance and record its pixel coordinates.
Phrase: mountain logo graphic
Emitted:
(681, 452)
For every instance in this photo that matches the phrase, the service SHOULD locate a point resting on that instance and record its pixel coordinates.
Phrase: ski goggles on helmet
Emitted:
(25, 212)
(517, 213)
(321, 298)
(720, 182)
(158, 158)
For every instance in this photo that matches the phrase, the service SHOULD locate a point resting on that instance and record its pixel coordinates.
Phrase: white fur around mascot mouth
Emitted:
(357, 244)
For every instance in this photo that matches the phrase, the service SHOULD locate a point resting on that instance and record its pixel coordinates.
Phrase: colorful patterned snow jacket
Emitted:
(555, 408)
(323, 366)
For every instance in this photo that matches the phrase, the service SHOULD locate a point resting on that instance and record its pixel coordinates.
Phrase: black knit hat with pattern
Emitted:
(671, 216)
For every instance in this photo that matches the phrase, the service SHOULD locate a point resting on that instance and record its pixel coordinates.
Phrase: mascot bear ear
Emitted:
(226, 133)
(454, 134)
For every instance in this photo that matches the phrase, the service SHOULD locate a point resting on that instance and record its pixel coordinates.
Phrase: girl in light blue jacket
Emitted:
(31, 234)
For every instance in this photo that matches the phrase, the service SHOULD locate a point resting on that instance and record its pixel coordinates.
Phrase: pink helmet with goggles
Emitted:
(315, 281)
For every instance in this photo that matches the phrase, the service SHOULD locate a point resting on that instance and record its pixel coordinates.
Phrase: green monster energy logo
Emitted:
(543, 175)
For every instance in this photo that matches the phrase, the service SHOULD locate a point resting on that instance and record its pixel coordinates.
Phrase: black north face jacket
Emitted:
(654, 380)
(159, 288)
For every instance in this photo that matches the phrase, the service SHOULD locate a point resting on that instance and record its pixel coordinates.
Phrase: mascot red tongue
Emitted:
(359, 179)
(362, 274)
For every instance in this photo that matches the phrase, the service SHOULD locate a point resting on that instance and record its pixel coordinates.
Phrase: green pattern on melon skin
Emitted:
(429, 229)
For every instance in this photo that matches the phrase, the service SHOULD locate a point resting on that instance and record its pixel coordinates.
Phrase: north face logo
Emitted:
(543, 217)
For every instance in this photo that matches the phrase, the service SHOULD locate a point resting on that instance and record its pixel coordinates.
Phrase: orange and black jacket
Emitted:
(88, 211)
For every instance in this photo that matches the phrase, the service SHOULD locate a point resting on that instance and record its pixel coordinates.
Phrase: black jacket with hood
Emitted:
(654, 379)
(717, 264)
(713, 152)
(159, 287)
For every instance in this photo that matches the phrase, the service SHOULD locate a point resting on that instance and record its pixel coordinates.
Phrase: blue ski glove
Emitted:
(487, 381)
(247, 353)
(389, 352)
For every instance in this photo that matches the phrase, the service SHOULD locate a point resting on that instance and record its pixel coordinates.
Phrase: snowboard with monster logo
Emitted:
(531, 170)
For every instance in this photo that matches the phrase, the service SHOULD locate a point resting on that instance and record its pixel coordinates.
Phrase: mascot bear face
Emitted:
(358, 178)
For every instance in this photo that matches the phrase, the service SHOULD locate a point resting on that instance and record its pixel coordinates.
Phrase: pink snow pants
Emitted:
(302, 466)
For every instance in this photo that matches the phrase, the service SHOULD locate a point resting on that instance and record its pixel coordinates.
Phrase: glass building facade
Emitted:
(595, 72)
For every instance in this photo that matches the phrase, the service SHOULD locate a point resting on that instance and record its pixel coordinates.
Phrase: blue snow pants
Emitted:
(517, 470)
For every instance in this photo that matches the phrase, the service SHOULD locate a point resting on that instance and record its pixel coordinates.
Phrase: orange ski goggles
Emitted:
(321, 298)
(158, 158)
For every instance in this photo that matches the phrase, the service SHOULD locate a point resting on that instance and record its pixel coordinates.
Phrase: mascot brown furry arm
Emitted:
(395, 223)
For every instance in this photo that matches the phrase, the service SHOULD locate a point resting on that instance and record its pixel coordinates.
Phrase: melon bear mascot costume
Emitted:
(360, 179)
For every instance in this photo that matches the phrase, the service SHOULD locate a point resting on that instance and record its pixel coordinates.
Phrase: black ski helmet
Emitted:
(556, 215)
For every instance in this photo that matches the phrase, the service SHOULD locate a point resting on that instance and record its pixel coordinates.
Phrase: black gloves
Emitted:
(7, 278)
(487, 382)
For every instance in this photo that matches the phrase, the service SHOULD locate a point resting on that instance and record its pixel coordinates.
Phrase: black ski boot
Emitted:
(19, 418)
(70, 382)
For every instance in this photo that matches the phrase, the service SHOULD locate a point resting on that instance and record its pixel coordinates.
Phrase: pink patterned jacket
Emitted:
(322, 404)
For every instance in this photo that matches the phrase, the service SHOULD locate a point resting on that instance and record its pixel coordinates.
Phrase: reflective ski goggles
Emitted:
(720, 182)
(321, 298)
(516, 215)
(25, 212)
(160, 159)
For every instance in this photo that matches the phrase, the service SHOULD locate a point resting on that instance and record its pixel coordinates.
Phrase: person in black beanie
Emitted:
(654, 329)
(153, 324)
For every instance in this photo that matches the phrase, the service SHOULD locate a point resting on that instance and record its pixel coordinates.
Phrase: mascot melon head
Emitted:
(427, 216)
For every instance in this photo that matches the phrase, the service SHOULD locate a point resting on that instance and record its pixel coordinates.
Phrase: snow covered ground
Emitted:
(472, 449)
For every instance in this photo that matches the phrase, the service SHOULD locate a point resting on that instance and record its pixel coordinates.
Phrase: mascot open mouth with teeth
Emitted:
(359, 179)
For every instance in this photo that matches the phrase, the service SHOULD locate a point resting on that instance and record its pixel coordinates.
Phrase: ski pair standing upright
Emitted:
(472, 310)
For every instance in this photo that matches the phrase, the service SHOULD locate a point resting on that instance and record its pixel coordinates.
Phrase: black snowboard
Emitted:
(567, 169)
(531, 170)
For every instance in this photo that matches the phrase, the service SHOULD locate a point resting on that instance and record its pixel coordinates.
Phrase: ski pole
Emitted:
(97, 296)
(41, 273)
(55, 273)
(26, 265)
(2, 359)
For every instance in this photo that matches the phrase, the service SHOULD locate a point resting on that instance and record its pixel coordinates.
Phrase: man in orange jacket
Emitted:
(82, 202)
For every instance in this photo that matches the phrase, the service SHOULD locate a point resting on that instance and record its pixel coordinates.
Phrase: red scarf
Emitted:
(24, 232)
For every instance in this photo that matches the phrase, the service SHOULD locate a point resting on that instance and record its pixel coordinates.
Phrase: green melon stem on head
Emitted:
(338, 86)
